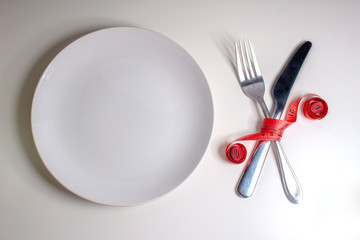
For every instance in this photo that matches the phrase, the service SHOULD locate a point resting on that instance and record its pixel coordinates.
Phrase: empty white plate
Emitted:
(122, 116)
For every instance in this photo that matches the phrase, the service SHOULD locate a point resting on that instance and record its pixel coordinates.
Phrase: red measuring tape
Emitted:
(272, 129)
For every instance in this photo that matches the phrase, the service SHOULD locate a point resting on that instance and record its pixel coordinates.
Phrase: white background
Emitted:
(324, 154)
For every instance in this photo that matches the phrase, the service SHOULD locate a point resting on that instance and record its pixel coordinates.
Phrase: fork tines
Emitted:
(247, 65)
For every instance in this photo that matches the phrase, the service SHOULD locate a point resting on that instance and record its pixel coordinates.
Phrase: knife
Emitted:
(281, 92)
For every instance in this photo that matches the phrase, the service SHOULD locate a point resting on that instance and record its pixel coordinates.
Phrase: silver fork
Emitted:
(252, 84)
(251, 80)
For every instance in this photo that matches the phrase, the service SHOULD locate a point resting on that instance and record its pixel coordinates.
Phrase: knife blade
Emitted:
(281, 92)
(287, 78)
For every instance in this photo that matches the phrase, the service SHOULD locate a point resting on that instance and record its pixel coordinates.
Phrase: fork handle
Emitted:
(289, 180)
(252, 173)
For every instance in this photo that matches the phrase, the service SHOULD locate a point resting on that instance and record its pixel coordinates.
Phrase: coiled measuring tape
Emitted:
(272, 129)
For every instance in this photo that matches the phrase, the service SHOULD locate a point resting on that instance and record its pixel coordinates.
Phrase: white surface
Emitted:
(122, 116)
(324, 154)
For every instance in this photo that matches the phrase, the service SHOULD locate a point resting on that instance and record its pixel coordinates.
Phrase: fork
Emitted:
(251, 80)
(252, 84)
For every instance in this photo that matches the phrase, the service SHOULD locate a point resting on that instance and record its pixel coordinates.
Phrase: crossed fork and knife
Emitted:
(252, 84)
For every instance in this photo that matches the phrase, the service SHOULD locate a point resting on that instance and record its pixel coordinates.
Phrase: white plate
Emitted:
(122, 116)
